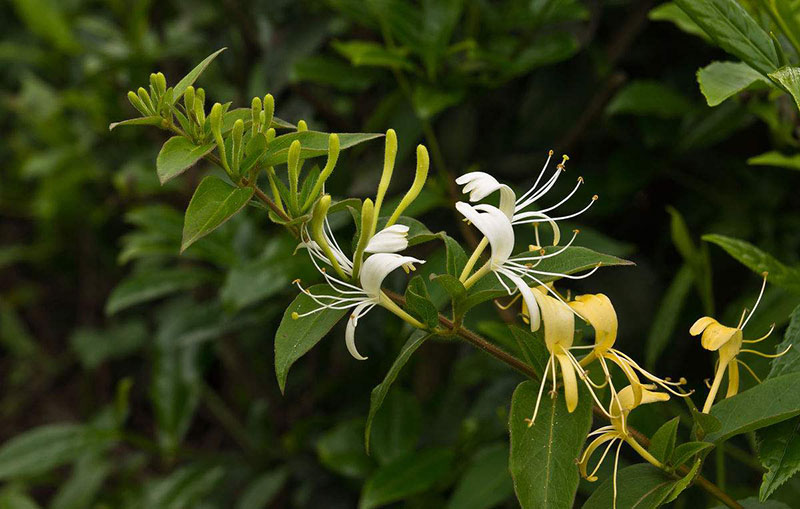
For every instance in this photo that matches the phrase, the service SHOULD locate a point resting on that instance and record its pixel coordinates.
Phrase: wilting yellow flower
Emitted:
(728, 342)
(627, 399)
(599, 312)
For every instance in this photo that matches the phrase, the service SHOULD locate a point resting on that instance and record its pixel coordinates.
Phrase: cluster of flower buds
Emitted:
(155, 103)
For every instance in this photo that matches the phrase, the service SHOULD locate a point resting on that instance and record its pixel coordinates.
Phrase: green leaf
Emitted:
(214, 202)
(542, 459)
(47, 19)
(789, 77)
(532, 345)
(378, 394)
(703, 423)
(185, 487)
(790, 361)
(754, 503)
(758, 261)
(294, 338)
(663, 442)
(721, 80)
(775, 158)
(418, 302)
(429, 101)
(340, 450)
(372, 54)
(456, 257)
(684, 482)
(151, 120)
(685, 452)
(486, 482)
(669, 310)
(697, 259)
(769, 402)
(332, 72)
(734, 30)
(407, 476)
(262, 490)
(643, 486)
(146, 286)
(668, 11)
(80, 490)
(195, 73)
(648, 98)
(312, 144)
(779, 452)
(94, 347)
(397, 426)
(12, 498)
(177, 155)
(39, 450)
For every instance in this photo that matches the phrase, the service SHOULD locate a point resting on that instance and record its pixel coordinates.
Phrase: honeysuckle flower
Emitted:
(480, 184)
(364, 297)
(559, 333)
(389, 240)
(497, 229)
(599, 312)
(728, 342)
(617, 431)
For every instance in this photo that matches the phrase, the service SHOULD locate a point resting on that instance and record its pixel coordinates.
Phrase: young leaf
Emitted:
(643, 487)
(758, 261)
(663, 442)
(294, 338)
(668, 11)
(486, 483)
(686, 451)
(789, 77)
(151, 120)
(651, 98)
(185, 487)
(177, 155)
(407, 476)
(146, 286)
(262, 490)
(379, 392)
(721, 80)
(195, 73)
(779, 452)
(734, 30)
(81, 488)
(456, 257)
(418, 302)
(371, 54)
(214, 202)
(772, 401)
(684, 482)
(542, 459)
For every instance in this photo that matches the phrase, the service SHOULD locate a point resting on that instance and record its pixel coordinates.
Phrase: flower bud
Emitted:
(302, 126)
(269, 111)
(188, 99)
(236, 145)
(145, 98)
(421, 175)
(389, 156)
(255, 114)
(333, 156)
(137, 103)
(293, 164)
(215, 117)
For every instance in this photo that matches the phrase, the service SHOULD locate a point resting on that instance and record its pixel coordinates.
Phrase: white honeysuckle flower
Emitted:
(479, 185)
(520, 270)
(389, 240)
(317, 254)
(362, 299)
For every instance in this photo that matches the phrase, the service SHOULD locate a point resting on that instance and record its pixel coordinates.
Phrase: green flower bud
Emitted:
(317, 233)
(270, 134)
(269, 111)
(188, 100)
(421, 175)
(256, 111)
(137, 103)
(293, 163)
(389, 156)
(302, 126)
(215, 117)
(161, 83)
(367, 217)
(236, 146)
(333, 156)
(145, 98)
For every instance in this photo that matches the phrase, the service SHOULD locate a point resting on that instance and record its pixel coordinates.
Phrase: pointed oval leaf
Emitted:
(644, 487)
(214, 202)
(177, 155)
(486, 482)
(409, 475)
(758, 261)
(146, 286)
(195, 73)
(721, 80)
(151, 120)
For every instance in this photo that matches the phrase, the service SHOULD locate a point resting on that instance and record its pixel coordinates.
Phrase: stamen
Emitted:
(762, 338)
(541, 173)
(758, 300)
(616, 465)
(565, 199)
(539, 397)
(510, 303)
(767, 355)
(602, 458)
(749, 369)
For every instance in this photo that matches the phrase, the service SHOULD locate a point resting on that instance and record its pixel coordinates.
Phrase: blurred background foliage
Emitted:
(135, 377)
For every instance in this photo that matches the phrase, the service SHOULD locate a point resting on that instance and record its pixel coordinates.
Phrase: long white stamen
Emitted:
(525, 217)
(541, 389)
(564, 200)
(758, 300)
(539, 178)
(539, 258)
(603, 457)
(543, 191)
(585, 378)
(616, 465)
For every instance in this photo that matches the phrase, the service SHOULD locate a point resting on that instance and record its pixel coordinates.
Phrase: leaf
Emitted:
(340, 450)
(333, 72)
(294, 338)
(379, 392)
(775, 158)
(663, 442)
(758, 261)
(146, 286)
(772, 401)
(644, 97)
(685, 452)
(779, 452)
(39, 450)
(312, 144)
(456, 257)
(790, 361)
(396, 428)
(668, 11)
(177, 155)
(12, 498)
(644, 487)
(734, 30)
(697, 259)
(94, 347)
(669, 310)
(407, 476)
(80, 490)
(533, 346)
(184, 487)
(371, 54)
(684, 482)
(262, 490)
(195, 73)
(214, 202)
(721, 80)
(486, 482)
(46, 19)
(418, 302)
(789, 77)
(151, 120)
(542, 459)
(754, 503)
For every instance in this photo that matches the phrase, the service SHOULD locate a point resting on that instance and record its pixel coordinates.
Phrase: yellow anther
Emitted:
(595, 197)
(550, 152)
(296, 281)
(295, 315)
(565, 158)
(576, 231)
(580, 179)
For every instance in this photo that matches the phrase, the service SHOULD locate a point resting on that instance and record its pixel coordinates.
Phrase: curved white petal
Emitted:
(480, 184)
(495, 226)
(389, 240)
(530, 301)
(378, 266)
(350, 330)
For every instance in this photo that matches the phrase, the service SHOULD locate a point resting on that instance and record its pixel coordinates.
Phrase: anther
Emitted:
(550, 152)
(296, 281)
(595, 197)
(295, 315)
(580, 179)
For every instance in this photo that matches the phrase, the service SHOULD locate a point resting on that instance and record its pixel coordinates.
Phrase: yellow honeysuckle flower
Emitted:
(599, 312)
(627, 399)
(728, 342)
(559, 333)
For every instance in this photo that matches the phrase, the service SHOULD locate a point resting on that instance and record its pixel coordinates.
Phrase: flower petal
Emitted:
(530, 308)
(495, 226)
(389, 240)
(480, 184)
(377, 267)
(350, 330)
(701, 324)
(570, 381)
(599, 312)
(559, 321)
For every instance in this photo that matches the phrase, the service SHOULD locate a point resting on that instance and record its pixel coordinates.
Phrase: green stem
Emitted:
(644, 454)
(485, 269)
(389, 304)
(473, 259)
